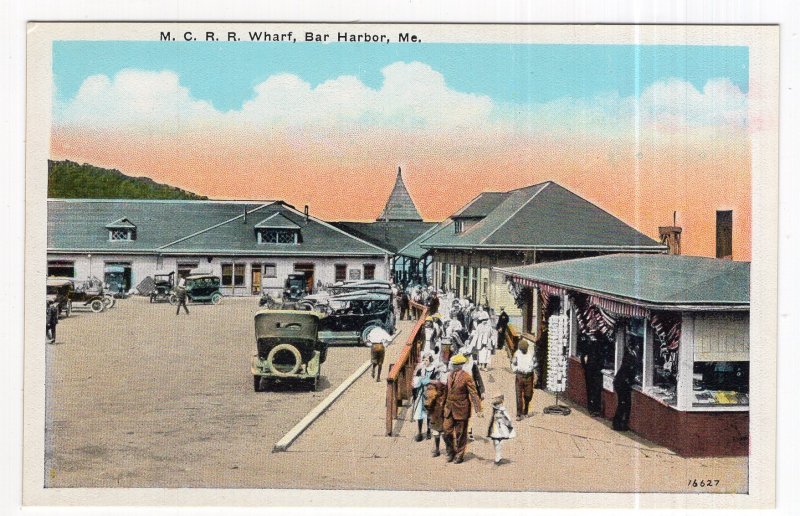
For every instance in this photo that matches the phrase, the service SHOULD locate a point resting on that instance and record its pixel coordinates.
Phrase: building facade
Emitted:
(251, 246)
(683, 320)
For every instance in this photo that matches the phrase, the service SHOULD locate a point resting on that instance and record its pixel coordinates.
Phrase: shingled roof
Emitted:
(193, 227)
(390, 234)
(400, 205)
(544, 216)
(652, 280)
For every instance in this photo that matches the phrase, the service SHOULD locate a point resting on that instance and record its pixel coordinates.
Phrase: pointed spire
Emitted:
(400, 205)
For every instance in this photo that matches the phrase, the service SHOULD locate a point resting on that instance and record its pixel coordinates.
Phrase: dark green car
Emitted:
(200, 288)
(288, 348)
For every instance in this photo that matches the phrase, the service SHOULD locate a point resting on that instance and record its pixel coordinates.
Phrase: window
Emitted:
(184, 269)
(340, 273)
(270, 270)
(278, 236)
(355, 274)
(725, 234)
(61, 269)
(458, 224)
(721, 383)
(116, 235)
(369, 271)
(233, 274)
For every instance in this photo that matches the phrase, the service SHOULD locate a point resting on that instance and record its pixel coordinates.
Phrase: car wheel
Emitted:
(97, 306)
(257, 383)
(173, 299)
(285, 369)
(216, 298)
(109, 301)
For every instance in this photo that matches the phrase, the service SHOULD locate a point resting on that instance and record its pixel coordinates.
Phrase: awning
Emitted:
(618, 308)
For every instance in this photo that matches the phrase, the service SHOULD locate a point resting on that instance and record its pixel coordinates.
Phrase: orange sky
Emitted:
(349, 176)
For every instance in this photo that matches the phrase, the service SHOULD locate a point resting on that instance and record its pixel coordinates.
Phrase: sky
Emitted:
(642, 131)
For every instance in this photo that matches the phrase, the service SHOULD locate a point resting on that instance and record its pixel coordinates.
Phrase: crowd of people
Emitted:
(459, 344)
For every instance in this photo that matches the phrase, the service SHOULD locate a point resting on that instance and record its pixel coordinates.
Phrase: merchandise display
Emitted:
(557, 345)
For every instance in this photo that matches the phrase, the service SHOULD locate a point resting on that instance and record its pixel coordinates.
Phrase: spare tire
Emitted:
(282, 367)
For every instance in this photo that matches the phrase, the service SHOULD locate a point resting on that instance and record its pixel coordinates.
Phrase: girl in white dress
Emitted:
(500, 427)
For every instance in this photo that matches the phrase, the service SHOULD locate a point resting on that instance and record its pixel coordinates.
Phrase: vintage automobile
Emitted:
(163, 285)
(288, 348)
(352, 315)
(200, 288)
(59, 291)
(295, 287)
(88, 293)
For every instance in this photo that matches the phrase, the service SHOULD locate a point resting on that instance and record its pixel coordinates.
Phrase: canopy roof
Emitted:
(654, 281)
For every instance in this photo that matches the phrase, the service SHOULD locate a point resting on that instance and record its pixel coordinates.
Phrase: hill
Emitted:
(69, 180)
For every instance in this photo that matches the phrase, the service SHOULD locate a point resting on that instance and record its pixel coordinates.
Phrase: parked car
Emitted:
(200, 288)
(163, 286)
(351, 316)
(288, 348)
(89, 293)
(59, 291)
(295, 288)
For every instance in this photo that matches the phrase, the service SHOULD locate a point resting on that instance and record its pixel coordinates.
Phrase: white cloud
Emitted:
(412, 96)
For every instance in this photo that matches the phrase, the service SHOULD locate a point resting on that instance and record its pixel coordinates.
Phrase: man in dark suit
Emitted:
(623, 385)
(460, 400)
(502, 327)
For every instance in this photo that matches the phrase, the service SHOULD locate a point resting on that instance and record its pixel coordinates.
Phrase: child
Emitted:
(500, 427)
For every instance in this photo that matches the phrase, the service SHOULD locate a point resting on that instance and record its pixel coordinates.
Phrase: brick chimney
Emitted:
(671, 236)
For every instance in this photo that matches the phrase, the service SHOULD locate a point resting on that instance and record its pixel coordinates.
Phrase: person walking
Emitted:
(434, 405)
(623, 384)
(423, 375)
(500, 427)
(523, 364)
(484, 342)
(378, 339)
(592, 362)
(181, 293)
(460, 401)
(51, 321)
(502, 327)
(405, 314)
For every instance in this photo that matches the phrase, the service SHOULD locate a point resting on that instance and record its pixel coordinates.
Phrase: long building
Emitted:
(251, 246)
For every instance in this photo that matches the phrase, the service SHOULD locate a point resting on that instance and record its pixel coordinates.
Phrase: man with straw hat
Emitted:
(460, 400)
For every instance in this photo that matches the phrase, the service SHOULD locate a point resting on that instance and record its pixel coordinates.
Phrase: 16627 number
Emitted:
(693, 482)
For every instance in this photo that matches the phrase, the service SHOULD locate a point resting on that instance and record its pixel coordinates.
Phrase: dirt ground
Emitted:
(141, 398)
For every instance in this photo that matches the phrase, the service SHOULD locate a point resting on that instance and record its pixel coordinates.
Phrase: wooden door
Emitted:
(256, 279)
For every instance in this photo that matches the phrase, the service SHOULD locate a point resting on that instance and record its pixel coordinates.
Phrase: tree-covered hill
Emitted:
(69, 180)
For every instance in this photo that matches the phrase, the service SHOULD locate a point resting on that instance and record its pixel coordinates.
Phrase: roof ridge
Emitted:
(333, 227)
(420, 238)
(540, 190)
(196, 233)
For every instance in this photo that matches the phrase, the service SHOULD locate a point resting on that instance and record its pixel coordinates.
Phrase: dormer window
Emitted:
(121, 230)
(278, 236)
(278, 229)
(459, 226)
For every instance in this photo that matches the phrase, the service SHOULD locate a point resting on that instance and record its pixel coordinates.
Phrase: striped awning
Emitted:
(543, 287)
(618, 308)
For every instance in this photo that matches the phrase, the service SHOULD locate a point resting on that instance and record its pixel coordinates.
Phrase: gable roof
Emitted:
(652, 280)
(544, 216)
(481, 205)
(400, 205)
(122, 223)
(193, 227)
(413, 249)
(276, 221)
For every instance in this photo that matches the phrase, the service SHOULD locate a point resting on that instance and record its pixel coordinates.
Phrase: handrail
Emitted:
(398, 381)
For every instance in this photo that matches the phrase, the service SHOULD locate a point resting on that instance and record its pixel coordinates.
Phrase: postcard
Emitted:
(387, 264)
